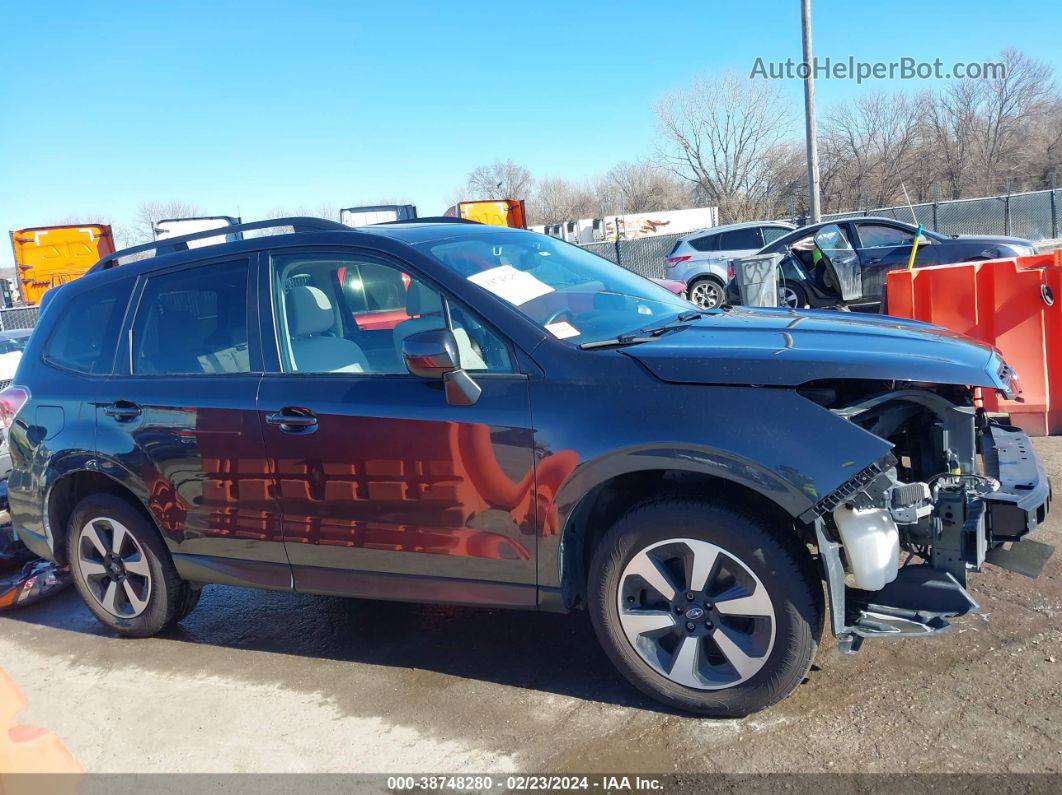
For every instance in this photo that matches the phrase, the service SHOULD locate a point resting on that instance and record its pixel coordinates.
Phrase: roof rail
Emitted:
(172, 244)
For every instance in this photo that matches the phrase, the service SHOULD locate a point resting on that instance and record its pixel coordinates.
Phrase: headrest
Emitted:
(422, 300)
(309, 311)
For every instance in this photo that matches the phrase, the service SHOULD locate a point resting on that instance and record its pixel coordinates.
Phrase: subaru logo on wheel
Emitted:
(695, 613)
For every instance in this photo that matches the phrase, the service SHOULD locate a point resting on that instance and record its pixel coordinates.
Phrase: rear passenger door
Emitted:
(180, 415)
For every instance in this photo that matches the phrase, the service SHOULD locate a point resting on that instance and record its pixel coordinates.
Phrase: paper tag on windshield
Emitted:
(562, 330)
(515, 286)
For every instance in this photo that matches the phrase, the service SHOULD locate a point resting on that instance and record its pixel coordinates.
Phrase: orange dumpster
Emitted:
(495, 212)
(47, 256)
(1014, 304)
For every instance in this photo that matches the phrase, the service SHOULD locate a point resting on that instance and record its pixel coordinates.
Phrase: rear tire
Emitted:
(706, 294)
(689, 648)
(793, 296)
(122, 570)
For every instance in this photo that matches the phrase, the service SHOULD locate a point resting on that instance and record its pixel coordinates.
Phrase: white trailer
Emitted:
(378, 214)
(175, 227)
(667, 222)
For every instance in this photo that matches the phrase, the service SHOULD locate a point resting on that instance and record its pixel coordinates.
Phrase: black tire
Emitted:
(799, 292)
(716, 289)
(191, 599)
(780, 562)
(167, 597)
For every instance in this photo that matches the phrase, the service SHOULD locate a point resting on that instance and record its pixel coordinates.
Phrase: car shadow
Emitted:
(537, 651)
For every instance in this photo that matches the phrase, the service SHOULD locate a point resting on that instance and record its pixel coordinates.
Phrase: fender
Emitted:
(34, 525)
(795, 467)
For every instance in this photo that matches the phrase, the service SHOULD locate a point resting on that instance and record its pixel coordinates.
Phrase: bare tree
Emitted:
(950, 120)
(719, 134)
(646, 186)
(151, 212)
(499, 180)
(1009, 103)
(555, 200)
(869, 147)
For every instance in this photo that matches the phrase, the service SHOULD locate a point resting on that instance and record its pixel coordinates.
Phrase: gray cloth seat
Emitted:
(427, 305)
(313, 350)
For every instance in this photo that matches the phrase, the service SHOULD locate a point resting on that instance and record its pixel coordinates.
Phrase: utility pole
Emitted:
(809, 115)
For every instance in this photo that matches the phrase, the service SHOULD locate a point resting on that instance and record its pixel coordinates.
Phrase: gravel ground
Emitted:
(256, 681)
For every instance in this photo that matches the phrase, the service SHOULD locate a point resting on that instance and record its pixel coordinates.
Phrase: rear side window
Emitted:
(85, 336)
(193, 321)
(706, 243)
(741, 239)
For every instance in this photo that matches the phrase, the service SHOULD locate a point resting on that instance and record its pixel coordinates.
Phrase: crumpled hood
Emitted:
(780, 347)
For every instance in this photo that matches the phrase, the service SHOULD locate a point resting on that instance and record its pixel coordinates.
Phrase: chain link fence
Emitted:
(18, 317)
(644, 255)
(1033, 216)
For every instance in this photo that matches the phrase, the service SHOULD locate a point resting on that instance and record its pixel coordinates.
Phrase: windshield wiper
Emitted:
(645, 334)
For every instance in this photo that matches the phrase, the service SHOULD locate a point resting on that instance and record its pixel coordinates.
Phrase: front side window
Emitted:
(86, 334)
(193, 321)
(349, 313)
(573, 294)
(884, 236)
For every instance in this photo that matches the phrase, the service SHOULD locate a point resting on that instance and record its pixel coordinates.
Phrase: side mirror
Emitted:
(433, 354)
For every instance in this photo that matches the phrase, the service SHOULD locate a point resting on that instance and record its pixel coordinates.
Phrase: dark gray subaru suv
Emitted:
(444, 411)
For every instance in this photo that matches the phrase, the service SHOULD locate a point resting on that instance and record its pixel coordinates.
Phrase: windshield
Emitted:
(13, 344)
(573, 294)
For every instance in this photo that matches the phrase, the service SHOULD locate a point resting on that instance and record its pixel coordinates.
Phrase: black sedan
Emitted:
(882, 245)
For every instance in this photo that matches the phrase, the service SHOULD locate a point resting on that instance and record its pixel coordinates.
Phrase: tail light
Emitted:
(673, 261)
(731, 272)
(12, 400)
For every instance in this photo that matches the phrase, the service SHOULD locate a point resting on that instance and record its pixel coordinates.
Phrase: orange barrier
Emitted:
(1014, 304)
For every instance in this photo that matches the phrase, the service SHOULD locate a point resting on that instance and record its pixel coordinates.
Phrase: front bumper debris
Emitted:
(972, 526)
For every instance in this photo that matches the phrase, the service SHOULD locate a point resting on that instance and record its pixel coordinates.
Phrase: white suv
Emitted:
(700, 258)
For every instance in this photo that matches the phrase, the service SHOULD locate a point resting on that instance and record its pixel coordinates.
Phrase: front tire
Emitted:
(122, 570)
(704, 609)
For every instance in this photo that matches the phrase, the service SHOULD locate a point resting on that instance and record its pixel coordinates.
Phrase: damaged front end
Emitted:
(959, 489)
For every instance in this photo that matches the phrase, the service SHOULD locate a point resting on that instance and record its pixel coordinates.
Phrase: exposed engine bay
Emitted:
(956, 491)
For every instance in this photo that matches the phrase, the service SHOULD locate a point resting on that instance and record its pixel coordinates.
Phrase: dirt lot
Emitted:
(273, 682)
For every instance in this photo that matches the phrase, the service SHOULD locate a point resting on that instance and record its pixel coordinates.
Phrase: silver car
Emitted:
(700, 258)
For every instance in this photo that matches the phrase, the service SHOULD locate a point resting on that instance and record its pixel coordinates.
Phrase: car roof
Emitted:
(740, 225)
(861, 219)
(409, 233)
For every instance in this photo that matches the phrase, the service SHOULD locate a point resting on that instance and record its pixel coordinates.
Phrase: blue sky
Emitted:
(240, 107)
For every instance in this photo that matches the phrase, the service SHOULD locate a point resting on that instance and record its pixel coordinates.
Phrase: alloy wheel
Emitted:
(706, 295)
(789, 297)
(696, 614)
(114, 567)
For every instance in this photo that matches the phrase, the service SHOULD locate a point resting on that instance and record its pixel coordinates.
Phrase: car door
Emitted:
(180, 415)
(884, 247)
(386, 489)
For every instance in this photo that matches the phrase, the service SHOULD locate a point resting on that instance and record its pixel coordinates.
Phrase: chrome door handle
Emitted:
(122, 410)
(291, 419)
